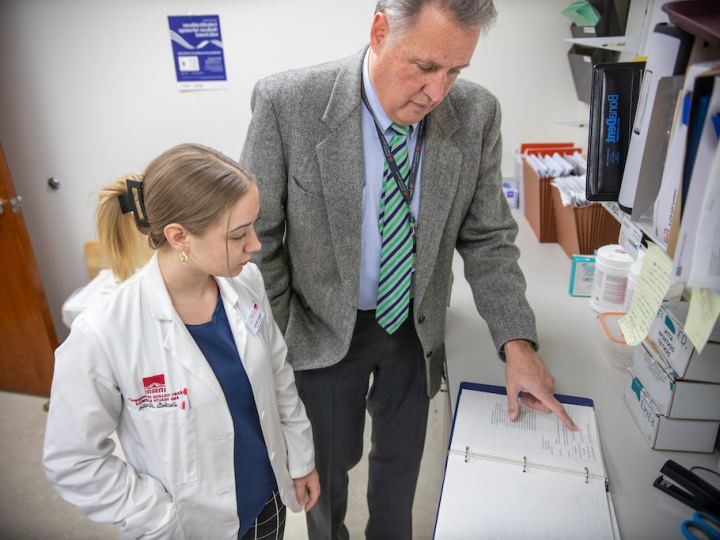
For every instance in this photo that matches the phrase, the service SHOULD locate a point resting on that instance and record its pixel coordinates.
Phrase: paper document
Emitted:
(701, 169)
(522, 480)
(705, 269)
(662, 57)
(664, 205)
(702, 315)
(652, 286)
(539, 436)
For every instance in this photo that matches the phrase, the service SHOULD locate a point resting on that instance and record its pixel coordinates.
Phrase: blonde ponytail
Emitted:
(120, 238)
(190, 184)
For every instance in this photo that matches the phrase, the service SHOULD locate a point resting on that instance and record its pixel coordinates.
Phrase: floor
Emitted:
(30, 508)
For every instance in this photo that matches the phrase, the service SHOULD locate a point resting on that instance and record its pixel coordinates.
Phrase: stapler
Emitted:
(688, 488)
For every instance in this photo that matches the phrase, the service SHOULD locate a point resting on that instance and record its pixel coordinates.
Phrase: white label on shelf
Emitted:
(630, 237)
(614, 209)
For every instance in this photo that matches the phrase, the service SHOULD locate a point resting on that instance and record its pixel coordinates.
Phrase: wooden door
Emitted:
(27, 336)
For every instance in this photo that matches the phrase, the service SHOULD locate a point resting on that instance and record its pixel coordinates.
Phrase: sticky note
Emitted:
(702, 314)
(653, 284)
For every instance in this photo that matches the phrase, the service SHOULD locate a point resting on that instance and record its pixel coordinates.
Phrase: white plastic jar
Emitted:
(612, 266)
(674, 292)
(633, 277)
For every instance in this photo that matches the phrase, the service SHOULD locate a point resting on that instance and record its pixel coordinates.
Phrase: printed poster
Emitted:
(198, 52)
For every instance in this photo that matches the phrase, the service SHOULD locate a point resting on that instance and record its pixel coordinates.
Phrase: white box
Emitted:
(511, 193)
(663, 433)
(674, 397)
(668, 335)
(582, 274)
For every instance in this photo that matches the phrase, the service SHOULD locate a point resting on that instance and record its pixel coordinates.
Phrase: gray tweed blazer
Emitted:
(304, 145)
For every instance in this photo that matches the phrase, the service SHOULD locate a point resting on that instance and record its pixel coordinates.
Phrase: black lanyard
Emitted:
(409, 190)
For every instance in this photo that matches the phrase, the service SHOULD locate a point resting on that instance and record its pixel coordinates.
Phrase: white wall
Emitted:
(87, 94)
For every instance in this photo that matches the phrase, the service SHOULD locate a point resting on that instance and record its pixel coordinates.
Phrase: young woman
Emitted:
(186, 363)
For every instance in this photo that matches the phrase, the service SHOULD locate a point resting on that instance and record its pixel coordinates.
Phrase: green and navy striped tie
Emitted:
(396, 256)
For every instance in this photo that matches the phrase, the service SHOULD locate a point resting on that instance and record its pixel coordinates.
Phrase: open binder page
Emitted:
(525, 479)
(539, 439)
(490, 500)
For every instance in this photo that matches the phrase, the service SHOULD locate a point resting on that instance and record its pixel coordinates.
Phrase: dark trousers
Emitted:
(335, 399)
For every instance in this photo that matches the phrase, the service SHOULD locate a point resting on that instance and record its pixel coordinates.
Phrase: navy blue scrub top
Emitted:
(254, 477)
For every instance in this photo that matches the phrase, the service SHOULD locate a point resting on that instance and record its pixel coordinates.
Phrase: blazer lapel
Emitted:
(178, 340)
(442, 162)
(340, 156)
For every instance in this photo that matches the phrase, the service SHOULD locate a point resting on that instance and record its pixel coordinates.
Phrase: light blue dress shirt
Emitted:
(373, 165)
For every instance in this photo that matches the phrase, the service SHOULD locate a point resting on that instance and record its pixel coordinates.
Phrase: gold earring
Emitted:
(183, 257)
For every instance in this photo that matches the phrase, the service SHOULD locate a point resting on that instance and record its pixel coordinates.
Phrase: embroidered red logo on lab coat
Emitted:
(156, 394)
(154, 384)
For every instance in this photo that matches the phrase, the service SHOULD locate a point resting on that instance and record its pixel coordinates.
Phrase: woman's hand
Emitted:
(308, 485)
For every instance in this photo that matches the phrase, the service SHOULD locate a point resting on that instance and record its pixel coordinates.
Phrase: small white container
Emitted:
(674, 292)
(616, 349)
(632, 283)
(612, 266)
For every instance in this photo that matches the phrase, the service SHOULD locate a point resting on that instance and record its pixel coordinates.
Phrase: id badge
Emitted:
(254, 318)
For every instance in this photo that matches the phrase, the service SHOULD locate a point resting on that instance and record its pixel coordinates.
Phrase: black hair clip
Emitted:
(127, 202)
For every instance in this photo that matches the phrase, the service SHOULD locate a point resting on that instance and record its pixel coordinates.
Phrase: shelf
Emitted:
(629, 44)
(574, 123)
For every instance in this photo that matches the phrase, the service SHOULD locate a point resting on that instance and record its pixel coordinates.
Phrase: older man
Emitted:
(372, 170)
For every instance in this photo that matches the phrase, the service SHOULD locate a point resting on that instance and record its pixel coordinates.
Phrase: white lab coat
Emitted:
(179, 480)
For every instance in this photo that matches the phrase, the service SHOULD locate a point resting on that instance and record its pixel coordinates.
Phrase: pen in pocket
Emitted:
(186, 404)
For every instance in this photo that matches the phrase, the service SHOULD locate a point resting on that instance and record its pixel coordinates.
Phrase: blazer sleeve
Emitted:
(263, 156)
(294, 422)
(85, 408)
(486, 241)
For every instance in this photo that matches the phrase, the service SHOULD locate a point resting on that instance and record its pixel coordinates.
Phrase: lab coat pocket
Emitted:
(171, 439)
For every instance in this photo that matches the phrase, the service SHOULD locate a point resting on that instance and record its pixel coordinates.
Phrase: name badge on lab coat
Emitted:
(254, 318)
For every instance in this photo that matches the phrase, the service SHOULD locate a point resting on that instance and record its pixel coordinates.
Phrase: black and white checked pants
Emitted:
(270, 523)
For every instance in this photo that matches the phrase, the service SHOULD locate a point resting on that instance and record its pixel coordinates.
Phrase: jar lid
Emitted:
(615, 255)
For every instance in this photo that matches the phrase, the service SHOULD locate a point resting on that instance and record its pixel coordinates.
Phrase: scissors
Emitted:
(702, 522)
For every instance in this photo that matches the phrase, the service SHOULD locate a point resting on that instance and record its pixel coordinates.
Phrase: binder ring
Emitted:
(587, 476)
(467, 451)
(525, 464)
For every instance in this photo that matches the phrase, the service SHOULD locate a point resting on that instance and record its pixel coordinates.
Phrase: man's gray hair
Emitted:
(403, 14)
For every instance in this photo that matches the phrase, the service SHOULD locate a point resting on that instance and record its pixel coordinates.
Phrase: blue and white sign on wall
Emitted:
(198, 52)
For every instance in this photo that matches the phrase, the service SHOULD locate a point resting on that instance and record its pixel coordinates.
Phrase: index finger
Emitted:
(555, 406)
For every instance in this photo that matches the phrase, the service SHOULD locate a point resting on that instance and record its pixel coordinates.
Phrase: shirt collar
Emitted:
(383, 119)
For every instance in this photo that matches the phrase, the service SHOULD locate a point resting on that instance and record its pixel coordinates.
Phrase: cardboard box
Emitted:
(674, 397)
(678, 352)
(511, 193)
(664, 433)
(582, 31)
(583, 229)
(582, 274)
